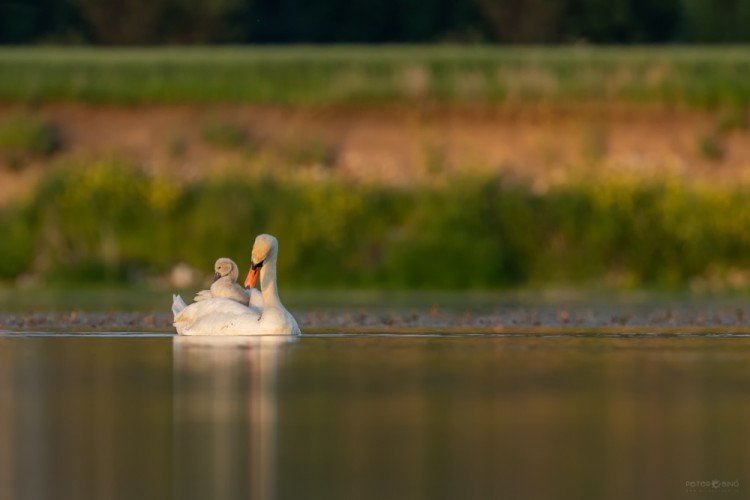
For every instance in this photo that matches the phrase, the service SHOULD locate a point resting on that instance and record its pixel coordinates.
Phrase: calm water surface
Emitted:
(374, 417)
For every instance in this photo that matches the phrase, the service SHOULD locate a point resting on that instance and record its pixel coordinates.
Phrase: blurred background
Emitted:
(431, 144)
(177, 22)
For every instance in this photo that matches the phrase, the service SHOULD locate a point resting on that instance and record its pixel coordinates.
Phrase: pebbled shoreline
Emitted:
(510, 319)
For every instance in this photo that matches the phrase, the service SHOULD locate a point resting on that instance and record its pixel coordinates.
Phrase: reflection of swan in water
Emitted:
(225, 416)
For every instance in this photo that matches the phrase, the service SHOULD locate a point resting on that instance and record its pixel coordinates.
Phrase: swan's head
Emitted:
(226, 267)
(264, 249)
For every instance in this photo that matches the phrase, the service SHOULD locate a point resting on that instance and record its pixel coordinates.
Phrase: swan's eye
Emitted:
(256, 266)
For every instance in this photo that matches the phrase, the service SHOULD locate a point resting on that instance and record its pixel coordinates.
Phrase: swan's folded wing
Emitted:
(213, 307)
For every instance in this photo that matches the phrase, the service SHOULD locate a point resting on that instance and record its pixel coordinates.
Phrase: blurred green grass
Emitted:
(303, 75)
(23, 137)
(107, 223)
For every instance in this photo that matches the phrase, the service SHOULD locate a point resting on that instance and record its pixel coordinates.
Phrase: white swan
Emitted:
(225, 286)
(222, 316)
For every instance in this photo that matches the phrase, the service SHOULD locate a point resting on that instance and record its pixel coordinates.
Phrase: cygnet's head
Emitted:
(264, 249)
(226, 267)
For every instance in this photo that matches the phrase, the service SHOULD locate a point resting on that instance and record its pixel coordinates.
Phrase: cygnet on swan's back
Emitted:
(225, 283)
(224, 316)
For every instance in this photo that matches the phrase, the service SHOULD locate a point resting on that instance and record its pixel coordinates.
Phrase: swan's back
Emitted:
(218, 316)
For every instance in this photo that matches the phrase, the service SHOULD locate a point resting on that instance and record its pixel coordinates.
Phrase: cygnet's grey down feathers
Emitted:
(225, 284)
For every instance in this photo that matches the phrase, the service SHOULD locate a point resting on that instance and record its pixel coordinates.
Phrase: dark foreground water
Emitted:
(375, 417)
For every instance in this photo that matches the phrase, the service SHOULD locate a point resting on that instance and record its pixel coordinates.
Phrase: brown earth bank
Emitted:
(395, 145)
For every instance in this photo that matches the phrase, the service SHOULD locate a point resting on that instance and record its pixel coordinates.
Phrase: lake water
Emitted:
(375, 417)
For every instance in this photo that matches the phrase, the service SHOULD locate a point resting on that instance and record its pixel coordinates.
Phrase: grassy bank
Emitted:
(106, 223)
(361, 75)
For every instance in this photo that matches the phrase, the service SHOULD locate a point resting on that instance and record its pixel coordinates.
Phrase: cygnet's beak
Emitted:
(217, 276)
(252, 276)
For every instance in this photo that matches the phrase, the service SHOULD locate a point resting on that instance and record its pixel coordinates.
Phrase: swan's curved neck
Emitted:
(268, 283)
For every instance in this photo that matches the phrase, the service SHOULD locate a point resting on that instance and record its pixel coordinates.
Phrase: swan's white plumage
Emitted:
(218, 316)
(224, 316)
(177, 305)
(256, 299)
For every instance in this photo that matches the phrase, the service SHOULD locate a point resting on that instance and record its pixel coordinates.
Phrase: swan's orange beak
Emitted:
(252, 277)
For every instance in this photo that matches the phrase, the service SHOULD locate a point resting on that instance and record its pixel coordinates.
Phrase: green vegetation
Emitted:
(711, 146)
(310, 151)
(109, 223)
(300, 75)
(224, 135)
(23, 137)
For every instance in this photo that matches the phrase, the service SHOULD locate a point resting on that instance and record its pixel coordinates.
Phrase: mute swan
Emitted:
(222, 316)
(225, 286)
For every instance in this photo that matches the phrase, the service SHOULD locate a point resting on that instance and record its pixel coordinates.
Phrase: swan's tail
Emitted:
(177, 305)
